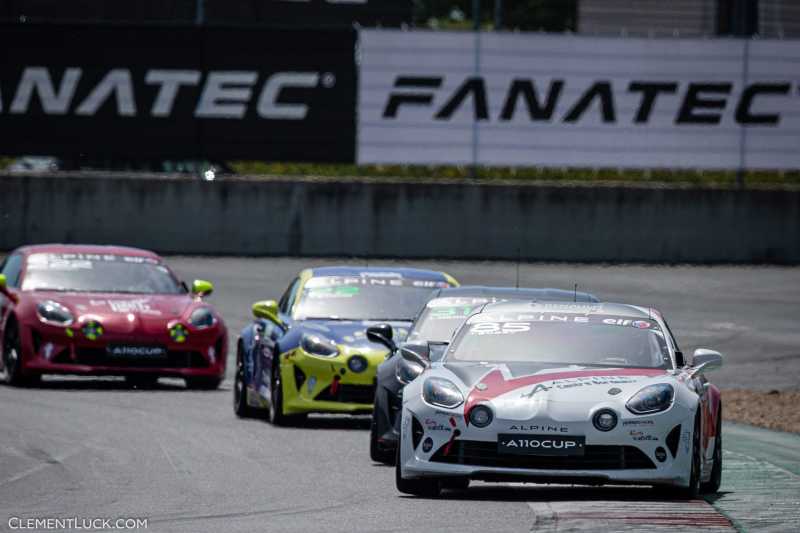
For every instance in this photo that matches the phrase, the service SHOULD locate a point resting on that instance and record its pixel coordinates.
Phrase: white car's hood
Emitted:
(525, 392)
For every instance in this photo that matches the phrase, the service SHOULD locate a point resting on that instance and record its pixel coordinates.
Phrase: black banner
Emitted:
(318, 13)
(166, 92)
(272, 13)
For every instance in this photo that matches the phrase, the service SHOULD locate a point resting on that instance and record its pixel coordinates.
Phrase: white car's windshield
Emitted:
(562, 339)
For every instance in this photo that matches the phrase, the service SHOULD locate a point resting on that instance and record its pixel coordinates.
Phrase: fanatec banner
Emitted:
(158, 92)
(518, 100)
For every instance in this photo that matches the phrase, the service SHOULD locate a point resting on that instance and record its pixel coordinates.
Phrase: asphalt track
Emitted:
(92, 448)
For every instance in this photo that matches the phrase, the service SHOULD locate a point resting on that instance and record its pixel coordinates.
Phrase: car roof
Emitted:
(85, 249)
(412, 273)
(603, 308)
(514, 293)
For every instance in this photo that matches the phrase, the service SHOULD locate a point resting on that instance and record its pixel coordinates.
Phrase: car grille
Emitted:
(480, 453)
(174, 359)
(299, 378)
(672, 440)
(348, 394)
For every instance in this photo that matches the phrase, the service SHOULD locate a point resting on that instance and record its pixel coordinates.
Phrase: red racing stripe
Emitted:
(496, 385)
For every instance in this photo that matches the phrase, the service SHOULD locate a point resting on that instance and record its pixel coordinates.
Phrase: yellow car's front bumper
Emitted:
(316, 384)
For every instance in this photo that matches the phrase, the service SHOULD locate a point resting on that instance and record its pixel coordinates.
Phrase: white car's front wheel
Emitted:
(425, 487)
(692, 490)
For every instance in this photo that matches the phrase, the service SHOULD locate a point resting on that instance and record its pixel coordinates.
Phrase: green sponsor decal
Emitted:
(346, 291)
(451, 312)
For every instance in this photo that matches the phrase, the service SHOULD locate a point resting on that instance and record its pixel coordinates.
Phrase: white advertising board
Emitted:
(511, 99)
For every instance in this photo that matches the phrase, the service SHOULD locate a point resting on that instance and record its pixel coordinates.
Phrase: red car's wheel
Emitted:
(12, 357)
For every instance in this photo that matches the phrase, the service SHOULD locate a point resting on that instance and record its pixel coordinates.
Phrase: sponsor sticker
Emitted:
(641, 436)
(143, 352)
(80, 261)
(435, 425)
(456, 302)
(551, 445)
(638, 423)
(508, 323)
(141, 305)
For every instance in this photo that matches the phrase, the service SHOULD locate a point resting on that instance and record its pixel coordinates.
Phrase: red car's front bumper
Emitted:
(51, 350)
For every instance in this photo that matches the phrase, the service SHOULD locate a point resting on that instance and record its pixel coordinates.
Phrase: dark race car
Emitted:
(309, 351)
(441, 316)
(103, 310)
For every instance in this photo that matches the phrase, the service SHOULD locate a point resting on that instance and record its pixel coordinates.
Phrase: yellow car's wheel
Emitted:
(276, 414)
(240, 406)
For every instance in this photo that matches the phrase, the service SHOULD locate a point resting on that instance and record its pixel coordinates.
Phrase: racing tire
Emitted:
(142, 381)
(12, 355)
(424, 487)
(276, 416)
(712, 485)
(376, 453)
(240, 406)
(203, 383)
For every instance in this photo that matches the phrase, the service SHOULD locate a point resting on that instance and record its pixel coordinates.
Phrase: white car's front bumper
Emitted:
(625, 455)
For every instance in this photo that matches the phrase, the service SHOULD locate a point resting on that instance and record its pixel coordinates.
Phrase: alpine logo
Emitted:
(216, 94)
(701, 103)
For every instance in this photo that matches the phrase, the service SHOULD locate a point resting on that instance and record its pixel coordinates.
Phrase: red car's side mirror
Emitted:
(4, 290)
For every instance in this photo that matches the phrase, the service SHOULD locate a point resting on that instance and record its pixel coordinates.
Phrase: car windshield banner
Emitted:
(168, 92)
(511, 99)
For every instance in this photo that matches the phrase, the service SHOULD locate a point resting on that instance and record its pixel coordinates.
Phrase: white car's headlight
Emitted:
(407, 371)
(318, 345)
(54, 313)
(442, 393)
(651, 399)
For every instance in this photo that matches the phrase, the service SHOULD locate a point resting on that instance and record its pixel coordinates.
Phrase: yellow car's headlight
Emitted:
(318, 345)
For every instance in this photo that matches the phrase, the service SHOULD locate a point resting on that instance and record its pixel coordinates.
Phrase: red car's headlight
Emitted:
(202, 317)
(54, 313)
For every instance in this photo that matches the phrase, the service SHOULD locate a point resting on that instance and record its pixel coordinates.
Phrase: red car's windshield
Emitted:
(98, 273)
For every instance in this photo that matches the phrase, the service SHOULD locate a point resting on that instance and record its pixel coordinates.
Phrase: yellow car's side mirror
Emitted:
(2, 282)
(267, 309)
(202, 288)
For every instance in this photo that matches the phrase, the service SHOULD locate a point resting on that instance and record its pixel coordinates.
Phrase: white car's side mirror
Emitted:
(706, 360)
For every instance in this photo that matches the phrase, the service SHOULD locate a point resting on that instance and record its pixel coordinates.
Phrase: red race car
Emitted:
(103, 310)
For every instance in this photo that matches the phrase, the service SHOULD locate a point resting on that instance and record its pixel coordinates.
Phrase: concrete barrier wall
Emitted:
(405, 219)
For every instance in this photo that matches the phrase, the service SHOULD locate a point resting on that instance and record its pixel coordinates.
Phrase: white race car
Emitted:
(561, 393)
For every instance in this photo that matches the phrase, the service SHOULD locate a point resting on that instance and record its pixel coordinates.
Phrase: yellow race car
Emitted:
(309, 353)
